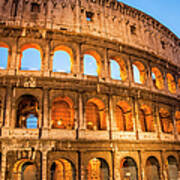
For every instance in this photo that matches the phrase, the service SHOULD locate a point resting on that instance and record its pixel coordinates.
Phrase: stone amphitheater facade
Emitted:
(88, 127)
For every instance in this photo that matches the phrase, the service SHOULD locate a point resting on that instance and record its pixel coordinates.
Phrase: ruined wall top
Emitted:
(108, 19)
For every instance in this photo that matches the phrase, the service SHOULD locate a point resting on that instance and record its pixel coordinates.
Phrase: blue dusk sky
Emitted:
(167, 12)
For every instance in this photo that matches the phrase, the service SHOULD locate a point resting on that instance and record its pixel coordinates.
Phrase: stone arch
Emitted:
(95, 56)
(146, 118)
(37, 52)
(95, 114)
(69, 53)
(4, 54)
(166, 120)
(122, 68)
(171, 83)
(177, 118)
(128, 169)
(142, 72)
(123, 114)
(27, 112)
(172, 168)
(25, 169)
(98, 169)
(152, 168)
(62, 169)
(62, 113)
(158, 80)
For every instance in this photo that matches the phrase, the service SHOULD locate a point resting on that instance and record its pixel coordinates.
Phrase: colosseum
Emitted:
(89, 90)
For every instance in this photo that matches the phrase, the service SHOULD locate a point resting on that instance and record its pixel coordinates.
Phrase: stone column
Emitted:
(130, 71)
(159, 129)
(45, 61)
(106, 66)
(50, 63)
(3, 166)
(82, 124)
(113, 164)
(44, 165)
(149, 77)
(141, 168)
(111, 116)
(156, 127)
(45, 108)
(11, 60)
(137, 126)
(78, 69)
(45, 122)
(82, 168)
(116, 167)
(8, 106)
(17, 61)
(165, 82)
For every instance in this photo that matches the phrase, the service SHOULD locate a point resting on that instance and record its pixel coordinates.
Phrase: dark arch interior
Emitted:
(29, 171)
(27, 112)
(65, 171)
(152, 169)
(129, 169)
(172, 168)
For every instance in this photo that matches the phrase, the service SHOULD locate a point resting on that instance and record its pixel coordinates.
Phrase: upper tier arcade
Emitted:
(108, 19)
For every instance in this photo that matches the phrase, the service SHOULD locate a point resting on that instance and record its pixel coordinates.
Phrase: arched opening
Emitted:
(62, 169)
(62, 61)
(30, 59)
(136, 74)
(90, 65)
(62, 113)
(171, 83)
(157, 78)
(4, 53)
(172, 168)
(146, 119)
(139, 73)
(115, 70)
(123, 114)
(118, 69)
(95, 115)
(177, 117)
(166, 120)
(25, 170)
(152, 169)
(97, 169)
(27, 112)
(29, 171)
(128, 169)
